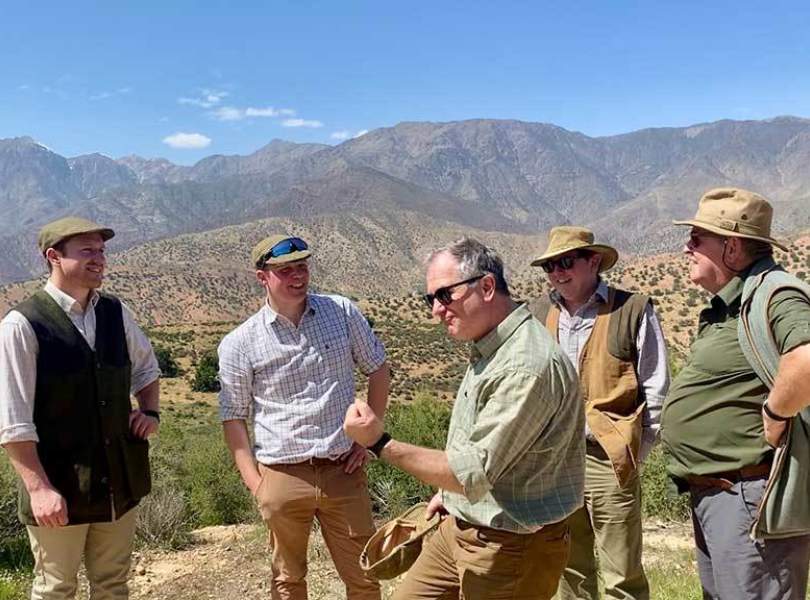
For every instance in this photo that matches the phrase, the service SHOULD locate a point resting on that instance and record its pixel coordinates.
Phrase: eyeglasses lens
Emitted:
(564, 263)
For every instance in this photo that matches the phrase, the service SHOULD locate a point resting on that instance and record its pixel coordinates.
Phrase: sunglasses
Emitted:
(445, 294)
(697, 238)
(283, 248)
(564, 263)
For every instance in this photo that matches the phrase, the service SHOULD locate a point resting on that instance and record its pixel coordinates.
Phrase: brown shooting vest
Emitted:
(608, 379)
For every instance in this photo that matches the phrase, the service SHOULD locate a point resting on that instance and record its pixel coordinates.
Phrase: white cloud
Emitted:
(340, 135)
(24, 87)
(228, 113)
(107, 94)
(187, 141)
(301, 123)
(206, 98)
(232, 113)
(360, 133)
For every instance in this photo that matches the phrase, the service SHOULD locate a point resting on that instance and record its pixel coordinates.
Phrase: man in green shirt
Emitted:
(720, 422)
(513, 467)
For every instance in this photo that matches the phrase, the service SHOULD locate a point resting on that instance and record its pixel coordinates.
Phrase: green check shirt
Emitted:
(516, 441)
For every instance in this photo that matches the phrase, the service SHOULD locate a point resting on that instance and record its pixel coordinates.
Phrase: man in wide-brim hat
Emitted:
(70, 358)
(614, 339)
(720, 421)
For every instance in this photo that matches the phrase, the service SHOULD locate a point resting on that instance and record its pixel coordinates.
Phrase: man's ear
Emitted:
(261, 277)
(53, 256)
(487, 284)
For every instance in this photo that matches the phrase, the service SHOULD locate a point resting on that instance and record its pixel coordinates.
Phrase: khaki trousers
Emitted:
(606, 537)
(478, 563)
(290, 497)
(107, 551)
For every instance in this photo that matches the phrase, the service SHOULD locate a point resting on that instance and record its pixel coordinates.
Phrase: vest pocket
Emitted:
(136, 466)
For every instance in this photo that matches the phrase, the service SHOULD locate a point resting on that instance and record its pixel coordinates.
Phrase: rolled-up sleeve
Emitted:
(236, 380)
(145, 367)
(367, 349)
(517, 407)
(18, 377)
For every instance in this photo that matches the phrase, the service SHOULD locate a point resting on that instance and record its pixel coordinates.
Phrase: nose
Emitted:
(438, 309)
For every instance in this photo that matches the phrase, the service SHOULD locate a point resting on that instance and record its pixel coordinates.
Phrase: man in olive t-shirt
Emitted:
(719, 421)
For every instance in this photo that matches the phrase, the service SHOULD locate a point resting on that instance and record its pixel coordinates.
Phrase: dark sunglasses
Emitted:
(564, 263)
(445, 294)
(697, 238)
(283, 248)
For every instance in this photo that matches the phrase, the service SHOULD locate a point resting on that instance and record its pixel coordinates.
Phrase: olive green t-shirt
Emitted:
(712, 417)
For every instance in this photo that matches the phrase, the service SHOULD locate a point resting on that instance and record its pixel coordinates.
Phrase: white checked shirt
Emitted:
(297, 381)
(18, 361)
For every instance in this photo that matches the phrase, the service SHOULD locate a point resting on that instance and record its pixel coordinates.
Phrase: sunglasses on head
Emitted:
(564, 263)
(445, 294)
(283, 248)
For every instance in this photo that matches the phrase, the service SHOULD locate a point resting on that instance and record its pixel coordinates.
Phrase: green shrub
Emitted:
(205, 374)
(423, 422)
(14, 551)
(168, 366)
(659, 497)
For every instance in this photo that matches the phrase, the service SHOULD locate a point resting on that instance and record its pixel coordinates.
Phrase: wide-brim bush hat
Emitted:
(735, 212)
(395, 546)
(60, 230)
(297, 249)
(566, 238)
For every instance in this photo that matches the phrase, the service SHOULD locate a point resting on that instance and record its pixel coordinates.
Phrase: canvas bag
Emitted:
(784, 510)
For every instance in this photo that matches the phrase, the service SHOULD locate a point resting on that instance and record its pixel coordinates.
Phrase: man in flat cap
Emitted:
(292, 366)
(614, 339)
(70, 357)
(726, 411)
(513, 468)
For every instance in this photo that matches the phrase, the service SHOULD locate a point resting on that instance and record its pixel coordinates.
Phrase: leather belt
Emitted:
(322, 462)
(725, 480)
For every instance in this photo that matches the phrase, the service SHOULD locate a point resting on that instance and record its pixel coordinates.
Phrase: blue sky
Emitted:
(127, 78)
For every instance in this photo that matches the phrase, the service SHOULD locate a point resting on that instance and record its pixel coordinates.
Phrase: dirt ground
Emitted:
(232, 563)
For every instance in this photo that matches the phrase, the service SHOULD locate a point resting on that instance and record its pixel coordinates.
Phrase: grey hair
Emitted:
(474, 258)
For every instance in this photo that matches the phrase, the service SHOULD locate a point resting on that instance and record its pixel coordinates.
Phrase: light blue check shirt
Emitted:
(297, 382)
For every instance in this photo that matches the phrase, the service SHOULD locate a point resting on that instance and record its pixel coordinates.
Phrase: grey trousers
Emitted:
(730, 564)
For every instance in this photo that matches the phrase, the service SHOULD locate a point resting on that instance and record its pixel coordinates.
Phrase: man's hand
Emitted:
(253, 481)
(774, 430)
(141, 425)
(49, 507)
(355, 458)
(362, 424)
(435, 506)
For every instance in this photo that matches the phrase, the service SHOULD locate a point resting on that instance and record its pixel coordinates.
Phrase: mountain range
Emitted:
(504, 177)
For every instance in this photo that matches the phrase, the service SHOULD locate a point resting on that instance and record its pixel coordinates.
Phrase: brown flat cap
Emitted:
(735, 212)
(60, 230)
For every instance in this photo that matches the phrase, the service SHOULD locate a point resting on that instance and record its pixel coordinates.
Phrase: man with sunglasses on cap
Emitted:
(721, 422)
(615, 340)
(291, 365)
(70, 357)
(512, 470)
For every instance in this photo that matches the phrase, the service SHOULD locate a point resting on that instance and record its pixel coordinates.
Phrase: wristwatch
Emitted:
(377, 448)
(152, 413)
(772, 414)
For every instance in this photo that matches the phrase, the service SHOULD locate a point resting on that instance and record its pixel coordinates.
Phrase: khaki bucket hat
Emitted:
(60, 230)
(396, 545)
(566, 238)
(295, 249)
(735, 212)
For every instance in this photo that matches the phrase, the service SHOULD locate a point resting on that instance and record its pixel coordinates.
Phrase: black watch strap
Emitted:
(377, 448)
(772, 414)
(151, 413)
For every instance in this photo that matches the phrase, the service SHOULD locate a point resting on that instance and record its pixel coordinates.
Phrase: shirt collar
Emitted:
(600, 294)
(271, 315)
(489, 344)
(67, 302)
